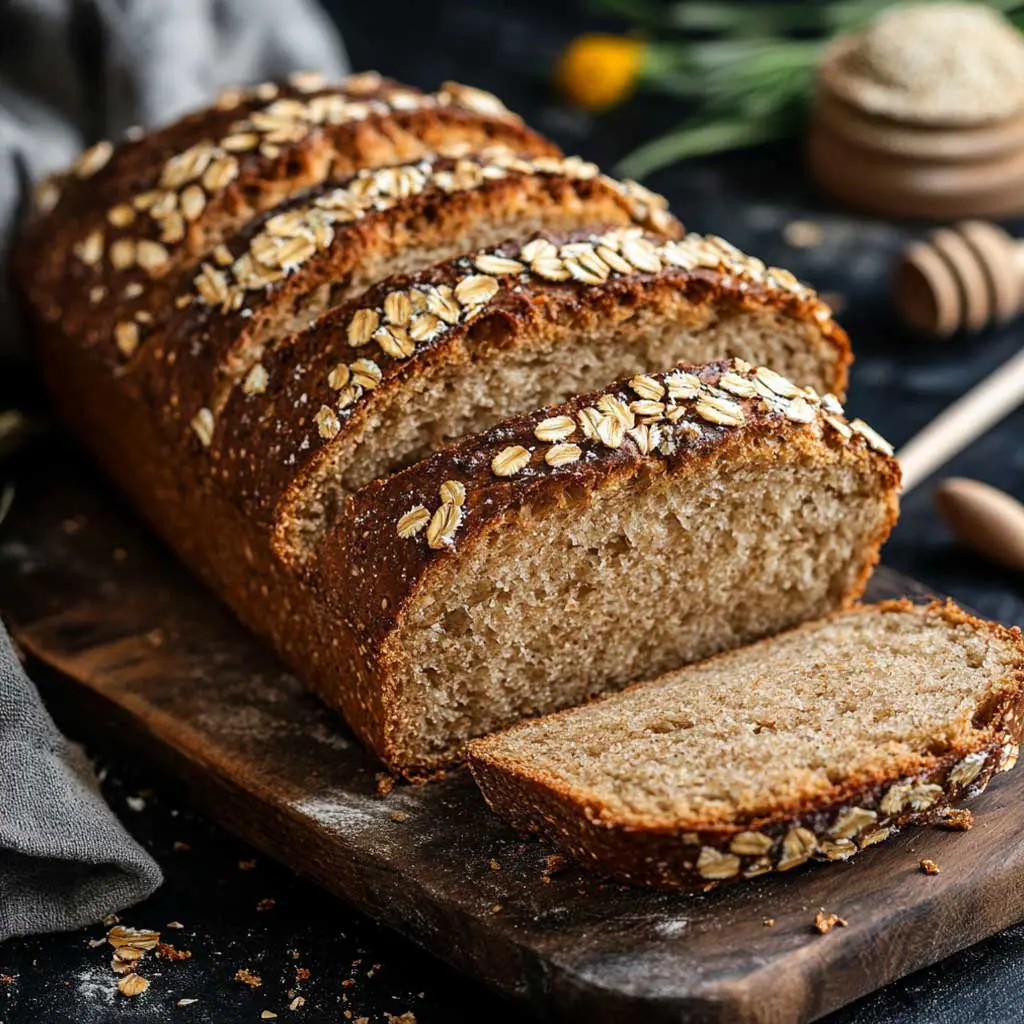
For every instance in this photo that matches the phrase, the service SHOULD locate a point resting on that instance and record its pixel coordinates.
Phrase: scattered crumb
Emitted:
(165, 951)
(132, 985)
(554, 863)
(348, 982)
(295, 954)
(246, 977)
(7, 979)
(385, 783)
(405, 1018)
(268, 1015)
(180, 847)
(297, 1003)
(135, 803)
(175, 924)
(497, 908)
(955, 819)
(803, 234)
(139, 940)
(267, 903)
(246, 865)
(301, 974)
(111, 919)
(929, 867)
(123, 965)
(95, 943)
(399, 815)
(495, 866)
(825, 921)
(769, 922)
(186, 1002)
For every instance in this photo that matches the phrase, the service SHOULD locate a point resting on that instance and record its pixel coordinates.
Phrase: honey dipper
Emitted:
(965, 277)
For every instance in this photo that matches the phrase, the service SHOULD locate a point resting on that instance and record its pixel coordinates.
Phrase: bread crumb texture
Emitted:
(819, 742)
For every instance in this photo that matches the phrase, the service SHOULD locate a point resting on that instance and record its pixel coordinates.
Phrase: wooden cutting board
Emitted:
(134, 655)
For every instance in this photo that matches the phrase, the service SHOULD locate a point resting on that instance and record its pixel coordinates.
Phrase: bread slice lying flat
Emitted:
(588, 545)
(814, 744)
(419, 361)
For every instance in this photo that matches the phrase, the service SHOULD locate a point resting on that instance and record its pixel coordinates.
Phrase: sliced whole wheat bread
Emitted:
(588, 545)
(422, 360)
(813, 744)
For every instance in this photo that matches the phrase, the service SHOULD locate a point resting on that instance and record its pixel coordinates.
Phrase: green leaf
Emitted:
(692, 140)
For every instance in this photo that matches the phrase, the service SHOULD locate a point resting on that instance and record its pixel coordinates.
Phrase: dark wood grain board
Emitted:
(133, 654)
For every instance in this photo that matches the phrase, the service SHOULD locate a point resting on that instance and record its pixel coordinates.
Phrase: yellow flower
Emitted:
(598, 71)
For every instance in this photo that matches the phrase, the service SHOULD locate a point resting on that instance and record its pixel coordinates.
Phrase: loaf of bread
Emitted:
(587, 545)
(250, 315)
(814, 744)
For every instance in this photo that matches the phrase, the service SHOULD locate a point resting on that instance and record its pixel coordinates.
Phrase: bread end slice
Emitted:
(815, 744)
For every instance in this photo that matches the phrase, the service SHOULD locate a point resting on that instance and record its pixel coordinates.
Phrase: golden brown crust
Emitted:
(860, 811)
(107, 252)
(386, 554)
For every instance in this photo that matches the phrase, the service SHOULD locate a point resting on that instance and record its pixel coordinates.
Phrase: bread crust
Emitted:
(118, 236)
(369, 574)
(703, 852)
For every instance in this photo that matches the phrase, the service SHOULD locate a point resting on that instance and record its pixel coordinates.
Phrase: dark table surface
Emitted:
(302, 943)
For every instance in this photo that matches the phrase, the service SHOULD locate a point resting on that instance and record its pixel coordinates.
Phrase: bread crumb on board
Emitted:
(955, 819)
(929, 867)
(825, 921)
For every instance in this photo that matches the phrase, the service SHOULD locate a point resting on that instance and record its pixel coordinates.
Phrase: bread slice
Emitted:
(420, 361)
(572, 551)
(333, 242)
(817, 743)
(111, 231)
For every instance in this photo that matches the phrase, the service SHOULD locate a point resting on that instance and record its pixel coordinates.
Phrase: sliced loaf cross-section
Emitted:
(814, 744)
(420, 361)
(333, 242)
(589, 545)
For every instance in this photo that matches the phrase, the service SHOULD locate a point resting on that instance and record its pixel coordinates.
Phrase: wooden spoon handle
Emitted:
(966, 419)
(984, 519)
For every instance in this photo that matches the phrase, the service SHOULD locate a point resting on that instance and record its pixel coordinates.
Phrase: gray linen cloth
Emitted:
(72, 72)
(65, 860)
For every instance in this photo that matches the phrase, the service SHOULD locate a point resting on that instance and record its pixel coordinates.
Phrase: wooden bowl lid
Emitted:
(903, 187)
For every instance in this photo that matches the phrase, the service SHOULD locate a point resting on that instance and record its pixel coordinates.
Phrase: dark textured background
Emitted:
(898, 385)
